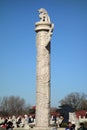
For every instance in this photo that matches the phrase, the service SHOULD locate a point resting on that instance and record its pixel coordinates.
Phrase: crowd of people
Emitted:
(15, 122)
(71, 126)
(28, 121)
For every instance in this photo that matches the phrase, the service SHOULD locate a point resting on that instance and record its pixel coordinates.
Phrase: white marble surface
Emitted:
(43, 30)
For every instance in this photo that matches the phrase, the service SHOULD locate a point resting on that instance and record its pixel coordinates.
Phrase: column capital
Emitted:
(42, 26)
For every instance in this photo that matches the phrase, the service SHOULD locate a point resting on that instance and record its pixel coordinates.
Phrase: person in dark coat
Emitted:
(82, 127)
(69, 126)
(9, 125)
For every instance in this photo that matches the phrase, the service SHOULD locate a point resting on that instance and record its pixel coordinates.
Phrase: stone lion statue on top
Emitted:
(44, 17)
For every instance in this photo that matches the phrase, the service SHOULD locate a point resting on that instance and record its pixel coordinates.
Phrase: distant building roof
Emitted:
(81, 113)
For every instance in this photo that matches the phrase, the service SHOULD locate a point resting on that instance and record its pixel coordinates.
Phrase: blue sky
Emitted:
(18, 48)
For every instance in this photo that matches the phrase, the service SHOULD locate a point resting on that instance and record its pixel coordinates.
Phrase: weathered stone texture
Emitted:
(43, 36)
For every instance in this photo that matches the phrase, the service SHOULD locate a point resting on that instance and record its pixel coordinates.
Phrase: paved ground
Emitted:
(30, 129)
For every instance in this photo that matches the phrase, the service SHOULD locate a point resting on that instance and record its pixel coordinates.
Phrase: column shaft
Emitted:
(43, 81)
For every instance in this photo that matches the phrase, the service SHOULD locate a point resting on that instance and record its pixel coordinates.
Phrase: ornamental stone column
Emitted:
(43, 30)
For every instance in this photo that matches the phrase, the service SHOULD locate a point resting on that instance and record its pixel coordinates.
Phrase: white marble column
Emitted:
(43, 30)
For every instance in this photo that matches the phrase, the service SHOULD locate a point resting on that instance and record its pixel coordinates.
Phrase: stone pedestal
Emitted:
(43, 35)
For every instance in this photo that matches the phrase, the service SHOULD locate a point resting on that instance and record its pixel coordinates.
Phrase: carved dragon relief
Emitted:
(44, 17)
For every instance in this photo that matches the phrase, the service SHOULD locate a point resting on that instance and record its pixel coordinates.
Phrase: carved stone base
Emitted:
(44, 128)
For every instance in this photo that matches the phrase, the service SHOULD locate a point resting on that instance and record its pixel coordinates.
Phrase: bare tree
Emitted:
(12, 106)
(75, 100)
(16, 105)
(4, 106)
